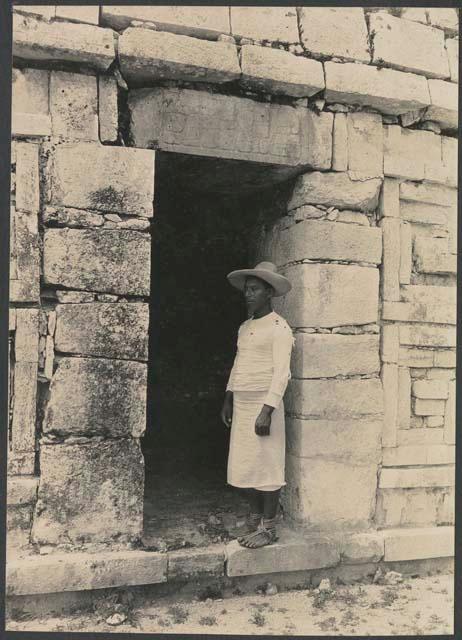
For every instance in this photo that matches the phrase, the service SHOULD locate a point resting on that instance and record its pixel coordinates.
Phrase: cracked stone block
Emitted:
(122, 265)
(398, 43)
(90, 492)
(37, 40)
(102, 329)
(423, 335)
(416, 507)
(24, 257)
(108, 398)
(277, 71)
(429, 294)
(201, 22)
(69, 217)
(73, 106)
(444, 18)
(23, 426)
(412, 155)
(327, 356)
(387, 90)
(365, 145)
(452, 49)
(427, 192)
(432, 256)
(444, 104)
(335, 32)
(146, 55)
(276, 24)
(104, 178)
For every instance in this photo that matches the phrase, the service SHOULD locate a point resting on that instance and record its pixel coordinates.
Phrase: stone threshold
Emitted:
(60, 572)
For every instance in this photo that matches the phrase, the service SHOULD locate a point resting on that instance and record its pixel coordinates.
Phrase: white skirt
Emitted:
(254, 461)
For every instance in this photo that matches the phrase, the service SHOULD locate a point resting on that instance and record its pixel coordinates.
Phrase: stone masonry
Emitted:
(357, 108)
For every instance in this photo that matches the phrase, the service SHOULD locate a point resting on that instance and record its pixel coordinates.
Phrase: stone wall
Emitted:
(345, 102)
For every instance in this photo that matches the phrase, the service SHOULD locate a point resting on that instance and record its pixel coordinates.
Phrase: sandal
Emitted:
(252, 524)
(260, 538)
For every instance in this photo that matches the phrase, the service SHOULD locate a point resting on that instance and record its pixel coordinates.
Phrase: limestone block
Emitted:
(418, 454)
(59, 572)
(188, 565)
(113, 179)
(430, 389)
(202, 22)
(49, 357)
(146, 56)
(68, 217)
(29, 91)
(334, 399)
(21, 491)
(24, 407)
(416, 14)
(419, 436)
(365, 145)
(24, 257)
(434, 422)
(123, 264)
(278, 71)
(418, 543)
(64, 42)
(449, 152)
(30, 125)
(421, 213)
(290, 553)
(335, 189)
(429, 294)
(90, 492)
(441, 374)
(444, 104)
(445, 358)
(450, 415)
(21, 463)
(405, 259)
(391, 258)
(222, 126)
(89, 15)
(44, 12)
(415, 358)
(363, 547)
(429, 407)
(331, 295)
(432, 257)
(390, 382)
(108, 109)
(446, 511)
(276, 24)
(387, 90)
(407, 312)
(345, 440)
(69, 297)
(339, 32)
(404, 398)
(26, 336)
(328, 495)
(27, 177)
(389, 199)
(452, 49)
(408, 507)
(390, 343)
(444, 18)
(410, 154)
(439, 476)
(73, 106)
(398, 43)
(316, 239)
(326, 356)
(426, 192)
(353, 217)
(108, 398)
(340, 143)
(424, 335)
(103, 329)
(318, 153)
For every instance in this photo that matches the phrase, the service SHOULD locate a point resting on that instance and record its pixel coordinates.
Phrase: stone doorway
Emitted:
(206, 212)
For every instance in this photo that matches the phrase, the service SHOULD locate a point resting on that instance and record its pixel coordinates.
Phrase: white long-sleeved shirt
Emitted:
(262, 361)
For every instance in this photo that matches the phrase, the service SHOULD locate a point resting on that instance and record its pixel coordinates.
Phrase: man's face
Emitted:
(256, 293)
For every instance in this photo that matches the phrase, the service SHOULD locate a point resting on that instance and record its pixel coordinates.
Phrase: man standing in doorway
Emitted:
(253, 405)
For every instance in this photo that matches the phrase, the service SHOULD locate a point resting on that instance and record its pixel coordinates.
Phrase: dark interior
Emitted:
(203, 215)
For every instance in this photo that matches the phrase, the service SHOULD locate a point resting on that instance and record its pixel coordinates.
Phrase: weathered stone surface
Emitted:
(365, 145)
(344, 440)
(29, 91)
(340, 143)
(445, 18)
(59, 572)
(390, 343)
(89, 15)
(409, 507)
(418, 454)
(429, 407)
(113, 179)
(416, 14)
(90, 492)
(325, 356)
(444, 104)
(449, 153)
(21, 463)
(108, 398)
(69, 217)
(353, 217)
(391, 258)
(434, 422)
(398, 43)
(413, 155)
(430, 389)
(30, 125)
(431, 255)
(69, 297)
(24, 407)
(191, 564)
(335, 189)
(278, 71)
(146, 55)
(389, 206)
(334, 399)
(405, 259)
(318, 152)
(26, 336)
(390, 383)
(27, 178)
(386, 90)
(419, 436)
(330, 295)
(339, 32)
(363, 547)
(407, 312)
(418, 543)
(445, 358)
(45, 12)
(429, 294)
(291, 553)
(423, 213)
(404, 398)
(21, 491)
(426, 192)
(276, 24)
(73, 106)
(123, 264)
(108, 109)
(441, 374)
(427, 336)
(452, 49)
(450, 415)
(440, 476)
(65, 42)
(327, 495)
(202, 22)
(103, 329)
(222, 126)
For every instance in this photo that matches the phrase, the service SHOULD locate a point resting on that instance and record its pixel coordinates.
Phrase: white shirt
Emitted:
(262, 361)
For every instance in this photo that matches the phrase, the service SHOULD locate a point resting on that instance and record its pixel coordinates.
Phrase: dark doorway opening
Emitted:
(205, 214)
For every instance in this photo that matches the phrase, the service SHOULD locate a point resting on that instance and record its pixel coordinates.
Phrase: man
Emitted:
(253, 406)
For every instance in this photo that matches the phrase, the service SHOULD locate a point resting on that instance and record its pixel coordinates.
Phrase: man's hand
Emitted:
(227, 410)
(263, 421)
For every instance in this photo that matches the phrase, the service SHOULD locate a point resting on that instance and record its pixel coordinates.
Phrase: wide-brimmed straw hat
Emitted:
(266, 271)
